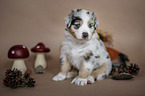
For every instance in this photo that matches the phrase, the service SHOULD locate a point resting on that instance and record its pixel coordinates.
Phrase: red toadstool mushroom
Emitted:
(40, 62)
(18, 53)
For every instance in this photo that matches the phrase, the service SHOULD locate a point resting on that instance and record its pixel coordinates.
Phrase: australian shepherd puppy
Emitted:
(82, 50)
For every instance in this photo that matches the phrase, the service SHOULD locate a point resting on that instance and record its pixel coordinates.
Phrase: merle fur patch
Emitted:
(61, 60)
(88, 56)
(97, 56)
(107, 57)
(74, 19)
(88, 12)
(78, 10)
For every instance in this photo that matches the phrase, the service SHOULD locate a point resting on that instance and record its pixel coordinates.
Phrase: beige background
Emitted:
(28, 22)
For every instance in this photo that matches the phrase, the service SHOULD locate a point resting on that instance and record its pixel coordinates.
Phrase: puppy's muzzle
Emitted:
(85, 35)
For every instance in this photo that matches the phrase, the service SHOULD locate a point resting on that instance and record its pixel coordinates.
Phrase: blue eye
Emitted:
(90, 26)
(77, 26)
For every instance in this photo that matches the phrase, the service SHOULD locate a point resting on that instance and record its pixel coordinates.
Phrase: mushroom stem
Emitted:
(40, 60)
(20, 65)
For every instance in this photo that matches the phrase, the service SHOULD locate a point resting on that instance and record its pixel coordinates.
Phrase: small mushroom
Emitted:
(40, 61)
(18, 53)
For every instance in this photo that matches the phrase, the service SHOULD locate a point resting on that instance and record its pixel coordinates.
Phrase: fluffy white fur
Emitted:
(76, 49)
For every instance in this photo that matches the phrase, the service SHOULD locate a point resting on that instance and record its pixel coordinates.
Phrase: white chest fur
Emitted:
(76, 51)
(76, 54)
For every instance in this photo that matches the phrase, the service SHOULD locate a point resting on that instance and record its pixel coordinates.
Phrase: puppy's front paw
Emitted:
(90, 80)
(102, 76)
(79, 81)
(71, 74)
(59, 77)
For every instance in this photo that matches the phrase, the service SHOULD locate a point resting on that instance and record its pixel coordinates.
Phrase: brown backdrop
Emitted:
(28, 22)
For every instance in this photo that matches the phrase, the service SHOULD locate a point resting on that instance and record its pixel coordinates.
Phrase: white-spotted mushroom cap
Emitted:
(18, 51)
(40, 47)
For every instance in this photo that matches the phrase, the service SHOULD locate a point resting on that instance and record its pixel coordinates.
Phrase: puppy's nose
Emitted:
(85, 34)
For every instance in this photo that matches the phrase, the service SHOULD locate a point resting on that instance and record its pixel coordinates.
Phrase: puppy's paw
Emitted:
(71, 74)
(79, 81)
(90, 80)
(59, 77)
(102, 76)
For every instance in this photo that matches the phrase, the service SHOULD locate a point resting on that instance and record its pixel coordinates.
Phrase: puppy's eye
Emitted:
(90, 25)
(77, 26)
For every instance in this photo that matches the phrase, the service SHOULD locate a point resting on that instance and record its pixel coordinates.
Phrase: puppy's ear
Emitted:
(67, 22)
(68, 19)
(95, 21)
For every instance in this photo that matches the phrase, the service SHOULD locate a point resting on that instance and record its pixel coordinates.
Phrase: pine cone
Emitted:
(122, 76)
(22, 82)
(10, 82)
(13, 73)
(6, 81)
(14, 79)
(133, 69)
(14, 83)
(26, 76)
(30, 82)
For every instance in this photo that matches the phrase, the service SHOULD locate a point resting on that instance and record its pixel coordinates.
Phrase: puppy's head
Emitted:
(81, 24)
